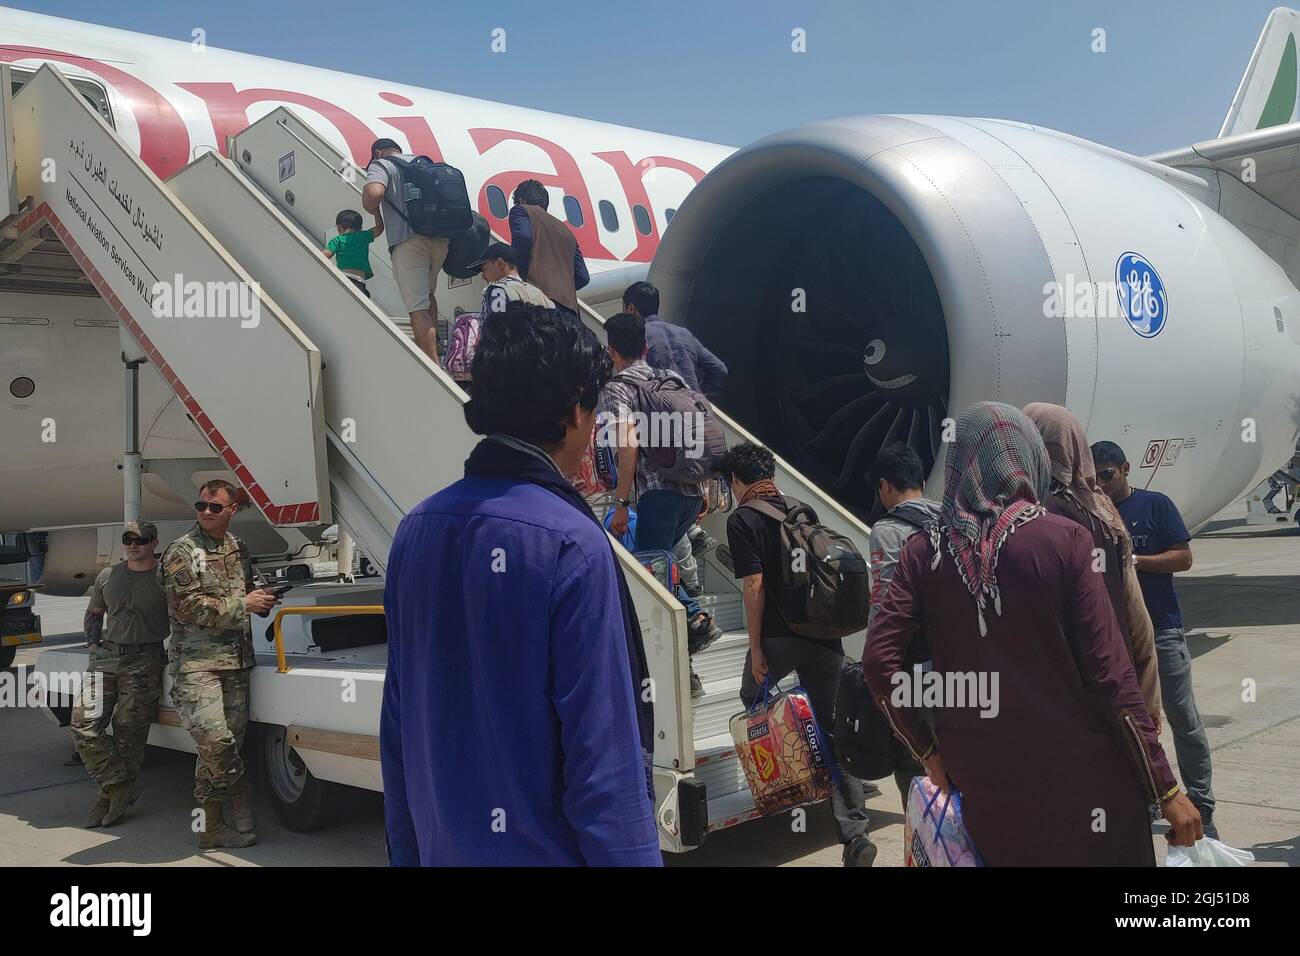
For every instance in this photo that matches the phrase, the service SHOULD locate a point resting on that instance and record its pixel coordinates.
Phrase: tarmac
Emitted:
(1241, 606)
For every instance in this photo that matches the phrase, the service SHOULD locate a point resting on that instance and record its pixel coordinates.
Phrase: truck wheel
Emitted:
(300, 801)
(7, 655)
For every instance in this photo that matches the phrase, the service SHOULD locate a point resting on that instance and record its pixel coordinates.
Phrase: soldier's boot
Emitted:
(136, 792)
(216, 833)
(119, 798)
(96, 818)
(241, 806)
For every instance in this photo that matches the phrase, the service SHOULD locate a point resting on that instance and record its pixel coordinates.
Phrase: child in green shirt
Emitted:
(351, 247)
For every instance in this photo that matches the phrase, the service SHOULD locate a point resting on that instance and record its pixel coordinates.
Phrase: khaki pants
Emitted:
(416, 264)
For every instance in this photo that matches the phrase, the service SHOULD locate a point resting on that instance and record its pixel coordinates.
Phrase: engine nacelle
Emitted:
(866, 278)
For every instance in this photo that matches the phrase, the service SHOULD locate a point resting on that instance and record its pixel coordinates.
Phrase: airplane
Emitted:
(617, 187)
(864, 278)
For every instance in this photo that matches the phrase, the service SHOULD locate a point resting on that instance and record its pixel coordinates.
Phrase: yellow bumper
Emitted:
(17, 640)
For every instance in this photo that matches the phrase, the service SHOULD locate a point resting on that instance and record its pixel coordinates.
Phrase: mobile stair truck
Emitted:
(316, 427)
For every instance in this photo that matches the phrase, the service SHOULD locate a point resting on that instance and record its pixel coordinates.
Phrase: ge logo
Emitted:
(1141, 294)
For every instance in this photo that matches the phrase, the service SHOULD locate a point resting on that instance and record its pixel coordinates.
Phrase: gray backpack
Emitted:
(686, 443)
(824, 577)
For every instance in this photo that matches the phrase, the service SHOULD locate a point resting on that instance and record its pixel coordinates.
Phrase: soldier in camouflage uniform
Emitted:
(208, 582)
(124, 676)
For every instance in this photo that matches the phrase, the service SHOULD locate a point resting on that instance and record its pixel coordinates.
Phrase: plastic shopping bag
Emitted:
(934, 834)
(782, 750)
(1208, 852)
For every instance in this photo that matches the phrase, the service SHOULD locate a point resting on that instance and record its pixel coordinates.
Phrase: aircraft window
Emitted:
(573, 212)
(642, 219)
(609, 215)
(668, 214)
(91, 92)
(497, 201)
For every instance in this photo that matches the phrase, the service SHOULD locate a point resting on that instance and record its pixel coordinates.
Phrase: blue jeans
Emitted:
(662, 517)
(1190, 743)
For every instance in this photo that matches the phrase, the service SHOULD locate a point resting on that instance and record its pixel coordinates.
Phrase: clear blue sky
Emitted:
(723, 69)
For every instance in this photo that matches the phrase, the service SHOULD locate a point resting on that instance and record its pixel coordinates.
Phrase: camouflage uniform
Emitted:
(123, 680)
(211, 651)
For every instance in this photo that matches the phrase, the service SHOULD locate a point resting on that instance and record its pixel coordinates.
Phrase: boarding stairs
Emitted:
(323, 407)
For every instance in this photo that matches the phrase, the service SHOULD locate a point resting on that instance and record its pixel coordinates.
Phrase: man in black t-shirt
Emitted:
(774, 650)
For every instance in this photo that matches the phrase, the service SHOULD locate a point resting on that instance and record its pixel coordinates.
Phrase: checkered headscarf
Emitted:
(996, 474)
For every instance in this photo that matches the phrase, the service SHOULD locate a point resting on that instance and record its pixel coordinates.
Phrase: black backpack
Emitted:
(863, 738)
(667, 398)
(437, 202)
(824, 568)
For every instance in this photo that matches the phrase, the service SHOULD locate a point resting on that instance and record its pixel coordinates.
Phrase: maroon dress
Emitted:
(1065, 771)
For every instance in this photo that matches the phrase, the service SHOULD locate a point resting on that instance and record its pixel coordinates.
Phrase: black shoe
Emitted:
(701, 541)
(861, 852)
(703, 632)
(724, 557)
(697, 686)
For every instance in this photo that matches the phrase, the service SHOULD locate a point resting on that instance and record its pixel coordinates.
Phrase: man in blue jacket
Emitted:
(517, 726)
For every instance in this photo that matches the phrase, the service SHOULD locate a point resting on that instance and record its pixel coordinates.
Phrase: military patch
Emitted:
(184, 578)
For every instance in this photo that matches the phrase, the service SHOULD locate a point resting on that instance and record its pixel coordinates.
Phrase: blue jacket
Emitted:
(508, 733)
(676, 347)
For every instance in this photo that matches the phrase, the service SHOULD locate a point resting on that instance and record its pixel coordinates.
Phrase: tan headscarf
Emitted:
(1074, 473)
(1073, 470)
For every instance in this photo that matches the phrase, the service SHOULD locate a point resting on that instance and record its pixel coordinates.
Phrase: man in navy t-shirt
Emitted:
(1161, 547)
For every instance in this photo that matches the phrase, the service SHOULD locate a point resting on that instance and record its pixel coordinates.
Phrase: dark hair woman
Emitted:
(1055, 756)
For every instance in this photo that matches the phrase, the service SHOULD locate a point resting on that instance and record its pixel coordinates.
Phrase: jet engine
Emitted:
(865, 279)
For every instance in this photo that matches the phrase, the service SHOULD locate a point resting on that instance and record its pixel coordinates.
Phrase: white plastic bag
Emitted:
(1208, 852)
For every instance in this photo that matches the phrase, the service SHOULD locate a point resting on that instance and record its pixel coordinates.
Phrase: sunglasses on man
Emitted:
(132, 539)
(1106, 474)
(215, 507)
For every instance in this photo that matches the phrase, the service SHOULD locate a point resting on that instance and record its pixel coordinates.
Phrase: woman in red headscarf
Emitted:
(1055, 755)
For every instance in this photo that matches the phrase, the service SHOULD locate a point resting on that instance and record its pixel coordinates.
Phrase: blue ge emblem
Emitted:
(1141, 294)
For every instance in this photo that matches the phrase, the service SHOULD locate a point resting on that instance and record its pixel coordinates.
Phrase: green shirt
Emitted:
(352, 250)
(135, 604)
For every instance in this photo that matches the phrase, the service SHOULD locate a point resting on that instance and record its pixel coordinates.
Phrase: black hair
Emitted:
(382, 143)
(899, 465)
(532, 193)
(748, 462)
(626, 334)
(642, 295)
(1106, 454)
(532, 365)
(348, 219)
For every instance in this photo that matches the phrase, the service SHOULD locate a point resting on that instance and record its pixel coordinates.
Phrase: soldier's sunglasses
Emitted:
(1106, 474)
(215, 507)
(132, 539)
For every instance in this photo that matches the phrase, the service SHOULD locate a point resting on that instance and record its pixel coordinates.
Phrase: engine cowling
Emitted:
(865, 279)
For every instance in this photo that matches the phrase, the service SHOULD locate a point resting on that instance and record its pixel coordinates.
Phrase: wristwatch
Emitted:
(624, 502)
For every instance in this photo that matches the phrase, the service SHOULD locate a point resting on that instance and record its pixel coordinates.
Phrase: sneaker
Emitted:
(697, 686)
(869, 789)
(703, 632)
(701, 541)
(724, 557)
(692, 591)
(861, 852)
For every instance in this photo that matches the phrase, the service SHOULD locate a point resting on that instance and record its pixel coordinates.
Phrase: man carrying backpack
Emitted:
(426, 204)
(899, 477)
(775, 649)
(665, 507)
